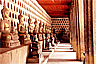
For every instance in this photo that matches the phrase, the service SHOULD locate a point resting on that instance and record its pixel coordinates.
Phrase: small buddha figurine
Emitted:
(40, 27)
(43, 28)
(21, 26)
(36, 26)
(31, 26)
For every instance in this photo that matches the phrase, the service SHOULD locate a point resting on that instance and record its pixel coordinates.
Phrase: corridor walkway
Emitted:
(63, 54)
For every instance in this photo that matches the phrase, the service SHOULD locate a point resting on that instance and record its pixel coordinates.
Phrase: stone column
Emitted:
(94, 29)
(81, 22)
(73, 26)
(77, 31)
(70, 26)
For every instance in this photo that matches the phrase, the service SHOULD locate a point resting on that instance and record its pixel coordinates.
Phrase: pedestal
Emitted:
(36, 53)
(44, 41)
(24, 38)
(9, 40)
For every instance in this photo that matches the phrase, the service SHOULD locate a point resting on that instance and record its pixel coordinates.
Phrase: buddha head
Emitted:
(30, 20)
(36, 22)
(21, 19)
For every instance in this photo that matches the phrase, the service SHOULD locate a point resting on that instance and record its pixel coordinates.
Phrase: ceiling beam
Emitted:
(52, 2)
(56, 5)
(58, 15)
(57, 12)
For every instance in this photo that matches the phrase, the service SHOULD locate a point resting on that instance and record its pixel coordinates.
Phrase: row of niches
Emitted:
(60, 31)
(17, 8)
(27, 7)
(22, 7)
(15, 11)
(15, 16)
(61, 28)
(60, 24)
(60, 21)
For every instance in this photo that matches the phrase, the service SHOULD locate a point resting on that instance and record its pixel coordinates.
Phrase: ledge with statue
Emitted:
(14, 54)
(35, 55)
(9, 33)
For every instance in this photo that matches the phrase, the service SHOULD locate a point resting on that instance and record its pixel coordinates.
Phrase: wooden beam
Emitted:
(57, 12)
(52, 2)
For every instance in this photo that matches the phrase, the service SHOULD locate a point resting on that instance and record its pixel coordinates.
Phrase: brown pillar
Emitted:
(88, 32)
(90, 29)
(73, 26)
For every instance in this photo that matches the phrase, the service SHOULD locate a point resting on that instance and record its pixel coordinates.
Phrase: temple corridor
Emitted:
(63, 54)
(47, 31)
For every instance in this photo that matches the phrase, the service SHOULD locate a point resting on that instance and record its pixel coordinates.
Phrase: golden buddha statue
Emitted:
(21, 26)
(40, 27)
(31, 26)
(43, 28)
(24, 37)
(5, 23)
(36, 26)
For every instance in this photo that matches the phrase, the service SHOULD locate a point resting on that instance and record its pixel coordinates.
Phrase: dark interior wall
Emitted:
(61, 28)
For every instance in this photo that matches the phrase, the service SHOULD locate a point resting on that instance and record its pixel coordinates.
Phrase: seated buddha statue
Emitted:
(36, 26)
(31, 26)
(21, 26)
(24, 37)
(40, 27)
(7, 39)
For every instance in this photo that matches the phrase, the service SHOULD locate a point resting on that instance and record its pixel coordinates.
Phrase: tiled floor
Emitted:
(63, 54)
